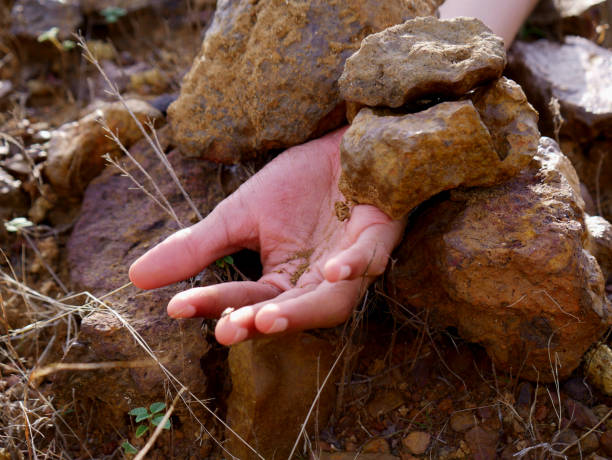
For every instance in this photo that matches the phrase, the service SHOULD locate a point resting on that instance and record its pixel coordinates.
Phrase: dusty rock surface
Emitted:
(449, 145)
(266, 76)
(577, 73)
(31, 18)
(507, 266)
(422, 57)
(75, 152)
(275, 382)
(108, 233)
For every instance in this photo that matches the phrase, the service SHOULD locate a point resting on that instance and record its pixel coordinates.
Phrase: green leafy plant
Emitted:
(113, 13)
(152, 416)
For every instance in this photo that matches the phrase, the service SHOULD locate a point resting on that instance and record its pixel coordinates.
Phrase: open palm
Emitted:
(315, 266)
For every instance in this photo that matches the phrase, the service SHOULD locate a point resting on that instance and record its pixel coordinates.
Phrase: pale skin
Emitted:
(315, 267)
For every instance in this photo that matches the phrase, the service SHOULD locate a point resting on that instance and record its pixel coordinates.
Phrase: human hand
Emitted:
(315, 268)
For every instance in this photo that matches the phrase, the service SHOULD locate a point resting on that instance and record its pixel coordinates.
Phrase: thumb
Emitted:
(185, 253)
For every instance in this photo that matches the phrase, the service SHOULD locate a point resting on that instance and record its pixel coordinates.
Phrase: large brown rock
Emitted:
(117, 224)
(577, 73)
(75, 152)
(274, 384)
(422, 57)
(396, 162)
(266, 76)
(507, 266)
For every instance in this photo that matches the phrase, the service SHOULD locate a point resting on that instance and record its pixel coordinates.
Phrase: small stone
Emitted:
(422, 57)
(75, 154)
(589, 444)
(385, 402)
(577, 389)
(483, 443)
(605, 442)
(376, 446)
(417, 442)
(462, 421)
(598, 368)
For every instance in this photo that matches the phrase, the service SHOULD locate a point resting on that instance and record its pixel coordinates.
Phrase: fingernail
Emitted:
(186, 311)
(240, 335)
(345, 272)
(241, 315)
(279, 325)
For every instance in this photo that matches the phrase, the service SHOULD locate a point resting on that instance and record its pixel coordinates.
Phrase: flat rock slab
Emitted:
(423, 57)
(396, 162)
(577, 73)
(266, 76)
(508, 266)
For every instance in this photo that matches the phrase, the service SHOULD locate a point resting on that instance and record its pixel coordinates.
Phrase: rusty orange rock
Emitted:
(508, 266)
(266, 76)
(396, 162)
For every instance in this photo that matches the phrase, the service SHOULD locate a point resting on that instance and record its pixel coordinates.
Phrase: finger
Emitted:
(326, 306)
(211, 301)
(188, 251)
(240, 325)
(368, 256)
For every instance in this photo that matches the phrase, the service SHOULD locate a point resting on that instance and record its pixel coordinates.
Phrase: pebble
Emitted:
(462, 421)
(606, 442)
(417, 442)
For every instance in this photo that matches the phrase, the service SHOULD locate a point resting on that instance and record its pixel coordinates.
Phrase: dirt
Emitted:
(404, 380)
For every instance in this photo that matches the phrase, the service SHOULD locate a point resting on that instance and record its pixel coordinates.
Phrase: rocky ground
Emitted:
(488, 335)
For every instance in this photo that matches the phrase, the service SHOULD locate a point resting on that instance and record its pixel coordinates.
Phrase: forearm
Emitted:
(502, 16)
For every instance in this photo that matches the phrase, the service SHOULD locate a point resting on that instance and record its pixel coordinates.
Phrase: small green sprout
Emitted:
(152, 415)
(224, 261)
(128, 448)
(17, 224)
(113, 13)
